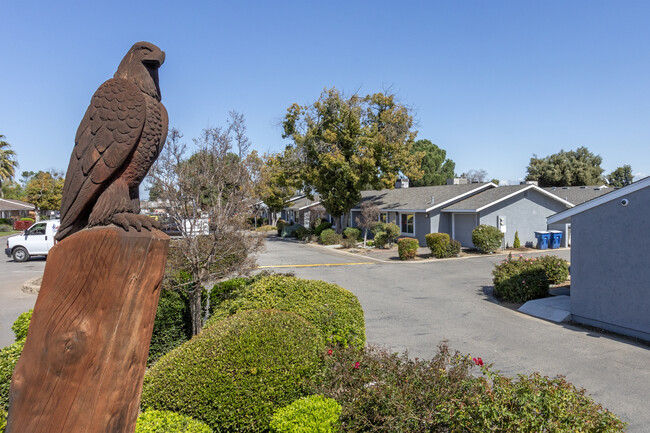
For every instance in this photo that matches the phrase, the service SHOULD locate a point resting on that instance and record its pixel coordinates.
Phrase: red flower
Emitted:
(478, 361)
(357, 365)
(329, 352)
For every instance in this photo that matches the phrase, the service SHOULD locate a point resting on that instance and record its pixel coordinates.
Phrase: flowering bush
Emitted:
(556, 268)
(387, 392)
(520, 280)
(407, 248)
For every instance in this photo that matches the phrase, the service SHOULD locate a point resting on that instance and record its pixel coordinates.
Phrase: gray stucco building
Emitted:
(610, 266)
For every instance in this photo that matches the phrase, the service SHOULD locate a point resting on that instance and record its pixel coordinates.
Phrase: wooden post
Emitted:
(86, 351)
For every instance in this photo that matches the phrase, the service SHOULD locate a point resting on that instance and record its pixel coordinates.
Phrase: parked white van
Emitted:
(35, 241)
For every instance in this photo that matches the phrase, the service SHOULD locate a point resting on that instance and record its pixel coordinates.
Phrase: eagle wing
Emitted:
(109, 132)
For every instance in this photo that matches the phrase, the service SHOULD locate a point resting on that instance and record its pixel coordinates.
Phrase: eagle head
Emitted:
(140, 66)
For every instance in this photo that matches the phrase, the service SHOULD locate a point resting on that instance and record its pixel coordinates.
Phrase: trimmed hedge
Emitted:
(516, 243)
(163, 421)
(313, 414)
(380, 240)
(280, 225)
(437, 243)
(233, 376)
(453, 249)
(335, 311)
(21, 325)
(173, 324)
(8, 358)
(487, 238)
(407, 248)
(520, 280)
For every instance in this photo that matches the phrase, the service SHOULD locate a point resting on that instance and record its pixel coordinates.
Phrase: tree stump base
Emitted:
(86, 351)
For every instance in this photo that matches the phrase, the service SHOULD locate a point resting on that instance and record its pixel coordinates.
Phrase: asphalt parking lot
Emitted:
(413, 306)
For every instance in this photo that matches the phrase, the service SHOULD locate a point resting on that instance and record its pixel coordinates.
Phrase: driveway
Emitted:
(413, 306)
(12, 300)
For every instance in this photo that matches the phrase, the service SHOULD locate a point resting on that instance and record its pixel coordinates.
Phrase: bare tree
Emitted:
(208, 196)
(368, 218)
(475, 175)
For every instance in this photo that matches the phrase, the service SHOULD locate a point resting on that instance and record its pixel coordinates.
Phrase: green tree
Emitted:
(8, 163)
(621, 177)
(44, 190)
(577, 167)
(343, 145)
(435, 167)
(278, 183)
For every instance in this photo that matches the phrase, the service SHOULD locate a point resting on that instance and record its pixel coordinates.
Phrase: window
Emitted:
(37, 229)
(383, 217)
(408, 223)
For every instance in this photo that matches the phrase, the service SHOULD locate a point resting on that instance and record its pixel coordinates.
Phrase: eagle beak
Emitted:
(155, 59)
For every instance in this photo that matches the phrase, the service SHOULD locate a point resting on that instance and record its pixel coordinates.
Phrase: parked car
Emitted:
(35, 241)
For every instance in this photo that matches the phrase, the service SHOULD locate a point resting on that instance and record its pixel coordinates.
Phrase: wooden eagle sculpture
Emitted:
(119, 138)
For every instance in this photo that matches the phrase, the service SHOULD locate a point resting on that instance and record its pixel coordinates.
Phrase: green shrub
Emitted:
(303, 233)
(380, 240)
(290, 231)
(520, 280)
(529, 403)
(280, 225)
(370, 243)
(3, 420)
(516, 243)
(387, 392)
(313, 414)
(330, 237)
(332, 309)
(352, 233)
(322, 226)
(8, 358)
(556, 268)
(487, 238)
(453, 248)
(226, 290)
(163, 421)
(407, 248)
(437, 243)
(173, 324)
(21, 325)
(6, 221)
(235, 375)
(5, 228)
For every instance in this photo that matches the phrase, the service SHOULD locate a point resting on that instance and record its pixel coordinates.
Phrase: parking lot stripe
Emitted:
(314, 265)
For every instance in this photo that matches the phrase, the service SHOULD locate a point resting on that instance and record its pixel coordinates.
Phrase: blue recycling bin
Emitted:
(542, 239)
(556, 239)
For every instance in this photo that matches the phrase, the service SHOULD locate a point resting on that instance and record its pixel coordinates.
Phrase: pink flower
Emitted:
(329, 352)
(357, 365)
(478, 361)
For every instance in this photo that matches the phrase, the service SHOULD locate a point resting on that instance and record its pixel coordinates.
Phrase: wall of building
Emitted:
(463, 226)
(525, 213)
(610, 276)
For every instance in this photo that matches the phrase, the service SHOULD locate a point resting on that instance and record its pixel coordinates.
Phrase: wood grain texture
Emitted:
(85, 355)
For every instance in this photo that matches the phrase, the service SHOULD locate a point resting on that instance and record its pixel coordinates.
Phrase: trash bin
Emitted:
(542, 239)
(556, 238)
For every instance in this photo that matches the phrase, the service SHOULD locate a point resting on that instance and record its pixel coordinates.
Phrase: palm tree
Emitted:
(8, 162)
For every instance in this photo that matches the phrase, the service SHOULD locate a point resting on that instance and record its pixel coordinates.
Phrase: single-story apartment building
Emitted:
(10, 208)
(610, 276)
(417, 210)
(303, 210)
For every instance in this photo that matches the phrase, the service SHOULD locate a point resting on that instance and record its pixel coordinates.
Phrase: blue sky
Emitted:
(491, 82)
